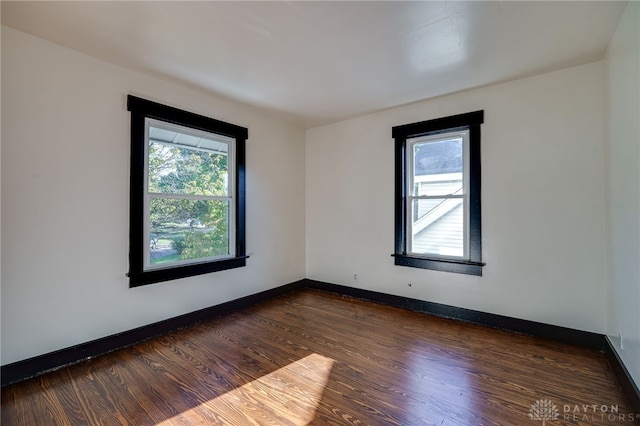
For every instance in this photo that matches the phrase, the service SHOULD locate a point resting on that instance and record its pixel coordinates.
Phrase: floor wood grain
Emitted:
(318, 358)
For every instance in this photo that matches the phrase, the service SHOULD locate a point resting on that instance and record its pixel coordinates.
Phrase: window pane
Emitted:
(438, 167)
(180, 170)
(187, 229)
(437, 227)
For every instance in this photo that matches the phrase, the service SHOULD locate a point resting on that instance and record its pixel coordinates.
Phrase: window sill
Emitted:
(443, 265)
(159, 275)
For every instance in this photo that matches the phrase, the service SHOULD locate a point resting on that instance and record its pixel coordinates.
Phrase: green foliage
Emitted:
(176, 170)
(200, 244)
(178, 244)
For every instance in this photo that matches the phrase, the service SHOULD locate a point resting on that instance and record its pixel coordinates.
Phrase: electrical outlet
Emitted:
(621, 337)
(355, 276)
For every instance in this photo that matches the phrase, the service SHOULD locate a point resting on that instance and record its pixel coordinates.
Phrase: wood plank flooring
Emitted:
(316, 358)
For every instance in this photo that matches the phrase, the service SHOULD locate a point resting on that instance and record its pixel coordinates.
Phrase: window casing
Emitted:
(187, 197)
(437, 201)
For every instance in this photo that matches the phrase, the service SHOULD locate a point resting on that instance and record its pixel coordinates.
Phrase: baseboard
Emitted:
(546, 331)
(32, 367)
(629, 387)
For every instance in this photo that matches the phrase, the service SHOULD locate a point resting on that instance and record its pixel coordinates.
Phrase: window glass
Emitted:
(436, 212)
(188, 195)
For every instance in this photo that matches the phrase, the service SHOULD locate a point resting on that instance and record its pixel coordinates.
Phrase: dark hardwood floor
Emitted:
(317, 358)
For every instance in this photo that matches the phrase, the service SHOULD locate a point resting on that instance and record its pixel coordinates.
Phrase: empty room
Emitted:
(320, 213)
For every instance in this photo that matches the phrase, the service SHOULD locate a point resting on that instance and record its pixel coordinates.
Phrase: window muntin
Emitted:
(187, 194)
(437, 194)
(437, 205)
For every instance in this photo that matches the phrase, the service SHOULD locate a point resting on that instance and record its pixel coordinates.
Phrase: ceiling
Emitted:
(321, 62)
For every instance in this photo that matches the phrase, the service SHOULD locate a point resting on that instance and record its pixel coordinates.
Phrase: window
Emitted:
(187, 197)
(437, 194)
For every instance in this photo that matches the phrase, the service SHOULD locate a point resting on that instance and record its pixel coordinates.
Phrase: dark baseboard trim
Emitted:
(531, 328)
(36, 366)
(629, 387)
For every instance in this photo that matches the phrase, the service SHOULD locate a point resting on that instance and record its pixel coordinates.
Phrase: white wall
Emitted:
(543, 201)
(623, 167)
(65, 177)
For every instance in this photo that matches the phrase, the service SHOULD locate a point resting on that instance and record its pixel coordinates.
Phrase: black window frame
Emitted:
(141, 109)
(469, 121)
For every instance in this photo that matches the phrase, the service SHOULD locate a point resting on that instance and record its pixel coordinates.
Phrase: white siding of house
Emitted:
(445, 235)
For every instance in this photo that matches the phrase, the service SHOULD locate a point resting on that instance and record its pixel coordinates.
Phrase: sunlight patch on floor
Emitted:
(292, 393)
